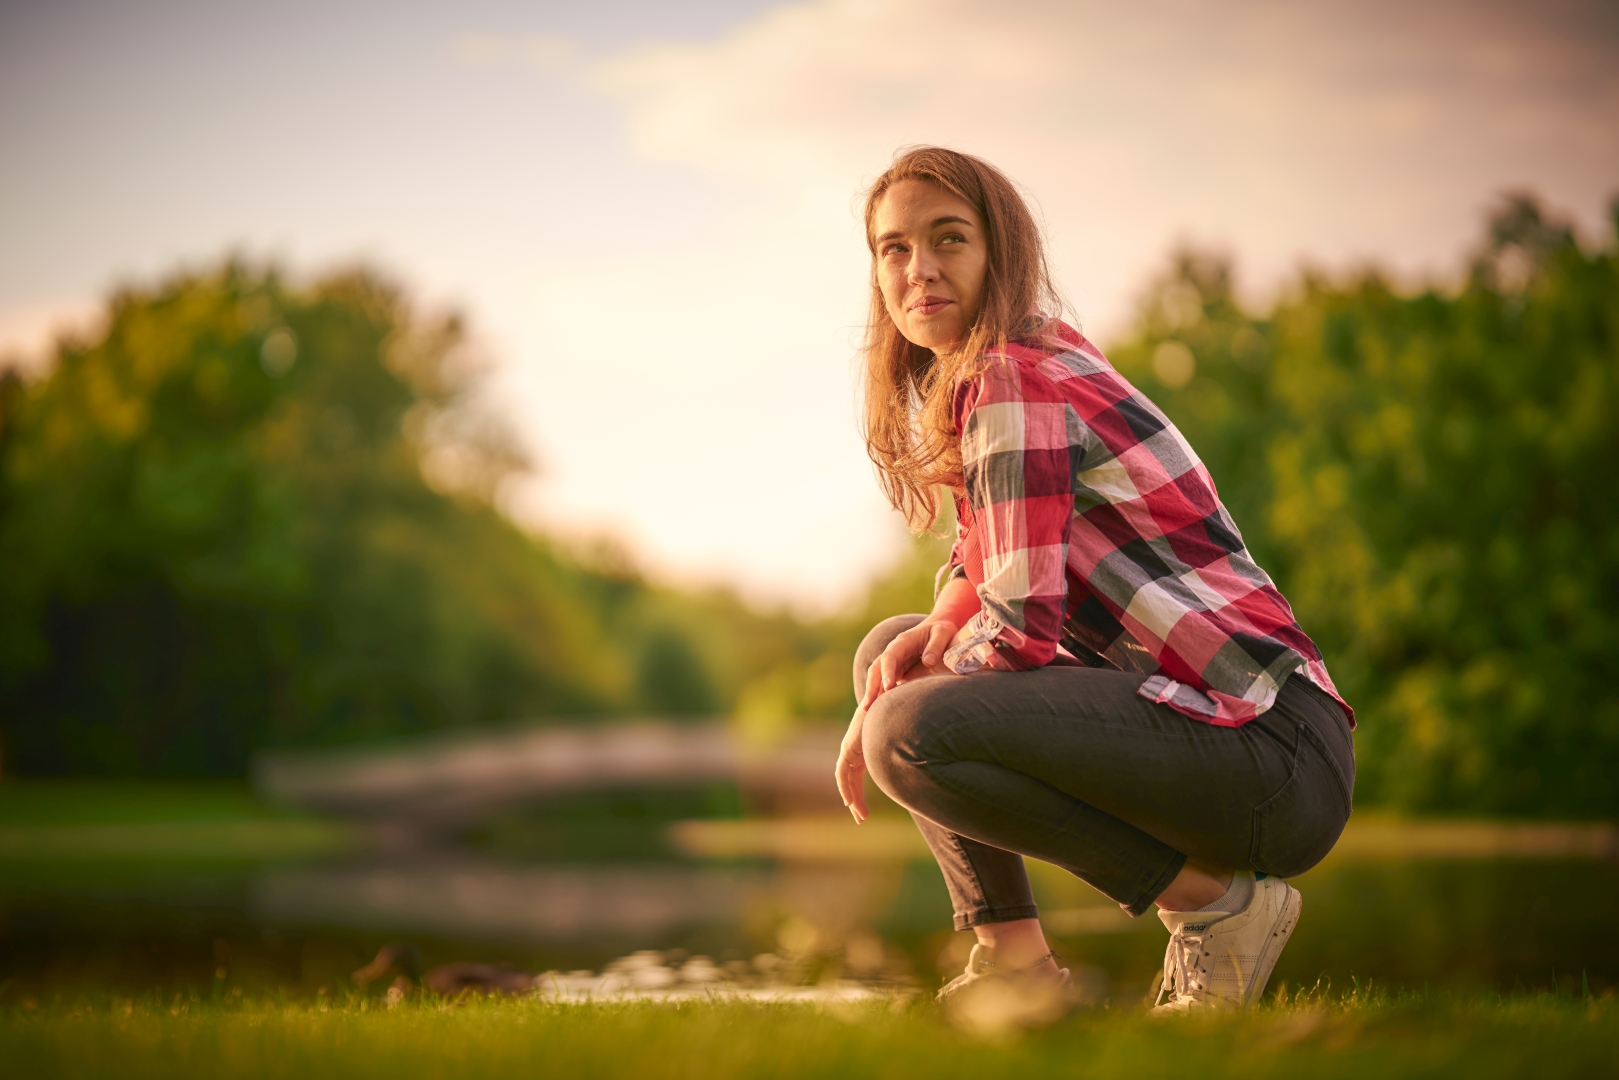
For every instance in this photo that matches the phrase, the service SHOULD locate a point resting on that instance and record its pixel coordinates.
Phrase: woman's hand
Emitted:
(851, 768)
(914, 654)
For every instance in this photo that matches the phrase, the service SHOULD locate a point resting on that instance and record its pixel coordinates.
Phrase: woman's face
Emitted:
(931, 258)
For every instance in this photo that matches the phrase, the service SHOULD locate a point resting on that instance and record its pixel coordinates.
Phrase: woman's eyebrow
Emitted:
(894, 234)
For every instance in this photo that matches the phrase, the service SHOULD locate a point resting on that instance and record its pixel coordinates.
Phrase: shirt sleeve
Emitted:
(1016, 469)
(954, 567)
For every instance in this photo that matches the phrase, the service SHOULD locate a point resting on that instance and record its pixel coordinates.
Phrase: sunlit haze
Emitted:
(650, 211)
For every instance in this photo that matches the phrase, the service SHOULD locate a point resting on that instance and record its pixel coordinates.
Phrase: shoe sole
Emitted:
(1291, 907)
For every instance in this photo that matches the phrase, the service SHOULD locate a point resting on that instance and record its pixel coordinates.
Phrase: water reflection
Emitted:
(483, 899)
(1453, 922)
(475, 898)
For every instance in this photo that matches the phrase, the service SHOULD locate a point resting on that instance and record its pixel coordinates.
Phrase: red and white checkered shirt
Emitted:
(1089, 522)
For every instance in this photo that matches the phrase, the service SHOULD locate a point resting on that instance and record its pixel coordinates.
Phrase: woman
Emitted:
(1107, 680)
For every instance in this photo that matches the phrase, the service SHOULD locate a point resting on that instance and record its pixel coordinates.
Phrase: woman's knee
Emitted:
(893, 738)
(876, 640)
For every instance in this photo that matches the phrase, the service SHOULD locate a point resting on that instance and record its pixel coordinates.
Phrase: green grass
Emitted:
(111, 802)
(1386, 1037)
(155, 821)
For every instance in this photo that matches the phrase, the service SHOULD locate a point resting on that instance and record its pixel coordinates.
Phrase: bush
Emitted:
(1430, 479)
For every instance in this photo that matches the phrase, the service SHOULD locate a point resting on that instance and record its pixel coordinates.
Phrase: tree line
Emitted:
(1430, 477)
(251, 513)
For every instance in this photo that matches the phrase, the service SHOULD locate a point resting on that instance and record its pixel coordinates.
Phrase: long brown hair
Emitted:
(907, 425)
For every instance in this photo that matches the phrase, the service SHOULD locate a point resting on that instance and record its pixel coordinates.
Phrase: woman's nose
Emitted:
(922, 270)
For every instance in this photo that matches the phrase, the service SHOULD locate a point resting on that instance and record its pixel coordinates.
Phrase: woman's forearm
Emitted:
(919, 651)
(957, 602)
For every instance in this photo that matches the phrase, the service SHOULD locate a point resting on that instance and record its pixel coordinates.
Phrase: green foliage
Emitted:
(1430, 478)
(218, 537)
(55, 802)
(216, 533)
(817, 684)
(669, 677)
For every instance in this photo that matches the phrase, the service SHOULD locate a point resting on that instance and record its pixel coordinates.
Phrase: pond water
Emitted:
(128, 926)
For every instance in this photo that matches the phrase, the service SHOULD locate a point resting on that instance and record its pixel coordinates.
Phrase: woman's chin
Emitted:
(936, 338)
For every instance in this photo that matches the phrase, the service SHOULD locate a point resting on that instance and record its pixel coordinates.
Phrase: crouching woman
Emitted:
(1107, 681)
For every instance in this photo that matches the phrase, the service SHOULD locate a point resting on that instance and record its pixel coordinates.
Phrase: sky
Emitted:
(649, 211)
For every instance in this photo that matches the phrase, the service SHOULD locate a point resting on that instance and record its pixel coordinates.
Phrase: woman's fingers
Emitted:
(884, 673)
(851, 767)
(846, 756)
(851, 773)
(901, 654)
(856, 798)
(924, 644)
(888, 666)
(939, 635)
(842, 773)
(874, 684)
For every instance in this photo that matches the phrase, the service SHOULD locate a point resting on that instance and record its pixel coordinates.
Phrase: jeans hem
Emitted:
(1155, 886)
(986, 915)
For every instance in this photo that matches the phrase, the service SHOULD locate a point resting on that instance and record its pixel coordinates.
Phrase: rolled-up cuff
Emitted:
(983, 916)
(1154, 886)
(975, 645)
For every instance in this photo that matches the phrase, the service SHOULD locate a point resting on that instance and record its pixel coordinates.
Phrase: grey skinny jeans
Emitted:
(1071, 766)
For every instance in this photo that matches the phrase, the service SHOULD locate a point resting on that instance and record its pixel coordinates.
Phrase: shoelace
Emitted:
(1183, 963)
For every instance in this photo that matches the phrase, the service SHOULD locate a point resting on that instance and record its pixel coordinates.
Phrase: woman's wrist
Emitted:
(956, 605)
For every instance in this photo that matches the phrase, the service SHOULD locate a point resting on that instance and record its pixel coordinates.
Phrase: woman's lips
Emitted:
(930, 305)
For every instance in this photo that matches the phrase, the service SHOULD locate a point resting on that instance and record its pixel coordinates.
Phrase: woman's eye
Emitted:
(952, 238)
(894, 249)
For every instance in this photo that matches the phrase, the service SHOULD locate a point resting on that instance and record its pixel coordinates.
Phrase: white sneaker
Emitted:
(990, 1000)
(1217, 960)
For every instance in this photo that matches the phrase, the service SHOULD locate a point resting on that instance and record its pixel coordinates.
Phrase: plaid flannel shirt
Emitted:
(1090, 523)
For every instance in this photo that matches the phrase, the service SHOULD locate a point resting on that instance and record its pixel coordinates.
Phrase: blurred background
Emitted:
(431, 505)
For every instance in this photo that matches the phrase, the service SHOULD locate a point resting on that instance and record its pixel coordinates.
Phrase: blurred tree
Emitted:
(254, 515)
(816, 682)
(1430, 479)
(216, 537)
(670, 678)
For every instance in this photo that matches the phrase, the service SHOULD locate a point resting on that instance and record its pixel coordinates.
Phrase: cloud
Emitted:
(541, 52)
(29, 332)
(1333, 131)
(662, 239)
